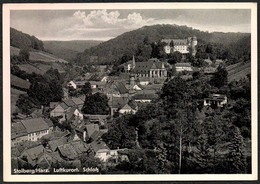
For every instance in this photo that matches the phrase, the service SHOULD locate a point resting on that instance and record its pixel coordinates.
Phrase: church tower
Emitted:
(133, 62)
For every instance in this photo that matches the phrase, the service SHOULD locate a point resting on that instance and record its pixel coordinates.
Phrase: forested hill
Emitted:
(22, 40)
(69, 49)
(128, 43)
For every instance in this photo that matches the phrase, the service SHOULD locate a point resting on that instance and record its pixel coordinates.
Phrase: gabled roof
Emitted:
(57, 142)
(67, 151)
(82, 97)
(63, 105)
(69, 102)
(53, 104)
(91, 128)
(35, 125)
(18, 82)
(121, 88)
(77, 101)
(34, 152)
(70, 113)
(175, 41)
(98, 145)
(18, 130)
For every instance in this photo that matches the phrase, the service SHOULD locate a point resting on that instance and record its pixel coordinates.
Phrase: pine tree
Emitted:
(236, 158)
(202, 155)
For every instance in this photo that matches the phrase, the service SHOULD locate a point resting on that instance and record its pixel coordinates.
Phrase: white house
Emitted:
(180, 67)
(216, 99)
(30, 130)
(72, 84)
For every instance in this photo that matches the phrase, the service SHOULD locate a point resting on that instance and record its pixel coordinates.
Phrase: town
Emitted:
(177, 110)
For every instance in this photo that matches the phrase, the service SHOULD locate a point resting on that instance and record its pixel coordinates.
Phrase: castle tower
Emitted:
(193, 45)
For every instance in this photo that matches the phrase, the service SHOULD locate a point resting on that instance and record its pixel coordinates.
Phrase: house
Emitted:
(183, 46)
(217, 100)
(31, 155)
(37, 127)
(73, 150)
(129, 108)
(77, 101)
(72, 84)
(18, 133)
(96, 118)
(73, 113)
(97, 84)
(46, 160)
(145, 96)
(180, 67)
(69, 103)
(100, 149)
(117, 103)
(122, 88)
(30, 130)
(59, 111)
(144, 81)
(53, 144)
(152, 68)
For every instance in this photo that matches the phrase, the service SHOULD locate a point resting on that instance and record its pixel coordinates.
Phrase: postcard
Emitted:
(130, 92)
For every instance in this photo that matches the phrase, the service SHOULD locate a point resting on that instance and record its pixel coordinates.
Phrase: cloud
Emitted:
(103, 18)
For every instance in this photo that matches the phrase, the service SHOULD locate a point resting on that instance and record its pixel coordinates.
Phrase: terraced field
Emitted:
(238, 71)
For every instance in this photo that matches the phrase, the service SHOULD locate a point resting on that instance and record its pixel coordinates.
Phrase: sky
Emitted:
(102, 24)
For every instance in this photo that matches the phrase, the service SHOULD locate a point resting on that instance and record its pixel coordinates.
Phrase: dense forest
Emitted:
(132, 43)
(24, 41)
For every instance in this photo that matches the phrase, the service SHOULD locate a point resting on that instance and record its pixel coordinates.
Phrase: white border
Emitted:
(159, 177)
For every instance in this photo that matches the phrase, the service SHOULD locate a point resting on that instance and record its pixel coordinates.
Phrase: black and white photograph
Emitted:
(130, 91)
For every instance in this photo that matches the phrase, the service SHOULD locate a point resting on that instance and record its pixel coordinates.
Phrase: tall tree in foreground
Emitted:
(236, 158)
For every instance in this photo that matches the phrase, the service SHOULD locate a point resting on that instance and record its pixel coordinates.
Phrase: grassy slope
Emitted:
(36, 55)
(238, 71)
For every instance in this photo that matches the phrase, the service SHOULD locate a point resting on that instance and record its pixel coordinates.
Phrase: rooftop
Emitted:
(35, 125)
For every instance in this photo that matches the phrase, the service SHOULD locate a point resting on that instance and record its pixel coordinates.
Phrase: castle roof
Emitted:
(176, 41)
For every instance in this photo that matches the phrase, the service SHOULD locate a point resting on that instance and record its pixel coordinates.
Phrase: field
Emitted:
(38, 56)
(14, 97)
(238, 71)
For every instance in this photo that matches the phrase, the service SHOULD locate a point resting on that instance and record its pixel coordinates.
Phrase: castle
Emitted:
(184, 46)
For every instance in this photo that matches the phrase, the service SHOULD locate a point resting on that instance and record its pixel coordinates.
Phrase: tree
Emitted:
(220, 77)
(96, 104)
(24, 54)
(236, 158)
(202, 155)
(175, 57)
(86, 89)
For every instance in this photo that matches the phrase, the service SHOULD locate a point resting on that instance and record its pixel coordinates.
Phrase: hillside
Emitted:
(38, 55)
(22, 40)
(128, 42)
(238, 71)
(68, 50)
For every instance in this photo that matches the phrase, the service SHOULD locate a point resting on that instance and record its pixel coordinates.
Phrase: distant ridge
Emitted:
(128, 42)
(68, 50)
